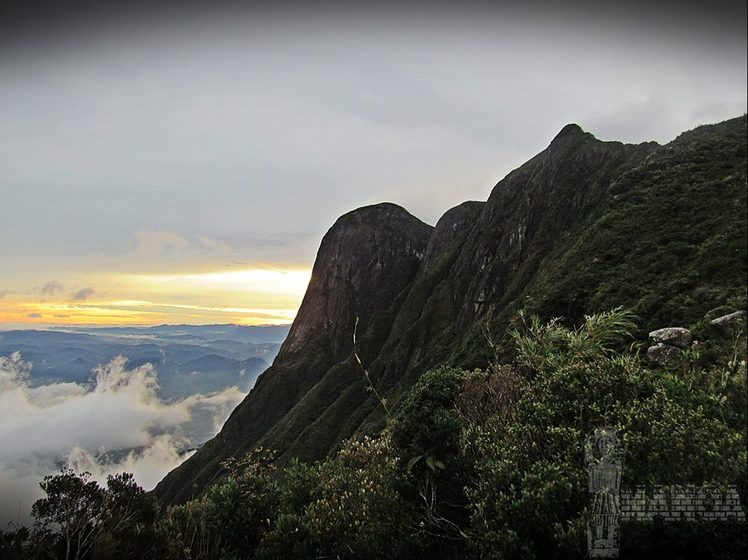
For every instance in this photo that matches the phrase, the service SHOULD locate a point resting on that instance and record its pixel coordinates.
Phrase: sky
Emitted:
(168, 162)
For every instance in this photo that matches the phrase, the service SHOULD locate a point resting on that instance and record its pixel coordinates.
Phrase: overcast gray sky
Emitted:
(188, 140)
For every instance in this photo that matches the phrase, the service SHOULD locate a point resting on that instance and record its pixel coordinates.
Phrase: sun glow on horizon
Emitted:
(257, 280)
(247, 296)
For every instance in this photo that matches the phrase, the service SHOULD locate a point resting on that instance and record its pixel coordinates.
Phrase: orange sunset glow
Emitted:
(250, 296)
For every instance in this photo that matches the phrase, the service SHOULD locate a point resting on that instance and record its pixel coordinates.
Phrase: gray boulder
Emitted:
(674, 336)
(663, 354)
(730, 320)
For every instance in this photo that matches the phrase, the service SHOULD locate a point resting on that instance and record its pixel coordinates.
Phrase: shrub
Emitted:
(232, 518)
(352, 509)
(528, 496)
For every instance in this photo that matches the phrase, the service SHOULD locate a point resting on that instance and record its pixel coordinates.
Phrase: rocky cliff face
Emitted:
(572, 231)
(454, 224)
(532, 209)
(366, 259)
(364, 266)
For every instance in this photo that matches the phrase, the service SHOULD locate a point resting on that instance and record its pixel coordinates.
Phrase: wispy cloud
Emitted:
(4, 293)
(34, 315)
(159, 243)
(213, 244)
(83, 294)
(51, 288)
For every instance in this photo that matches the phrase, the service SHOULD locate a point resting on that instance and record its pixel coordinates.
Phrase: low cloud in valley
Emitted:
(115, 423)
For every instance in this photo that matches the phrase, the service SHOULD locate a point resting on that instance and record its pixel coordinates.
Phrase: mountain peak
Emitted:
(375, 213)
(366, 258)
(571, 130)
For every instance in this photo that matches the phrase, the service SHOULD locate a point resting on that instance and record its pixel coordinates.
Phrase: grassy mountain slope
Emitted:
(671, 242)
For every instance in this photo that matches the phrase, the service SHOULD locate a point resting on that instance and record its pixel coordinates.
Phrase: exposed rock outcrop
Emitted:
(664, 354)
(730, 321)
(668, 344)
(366, 259)
(673, 336)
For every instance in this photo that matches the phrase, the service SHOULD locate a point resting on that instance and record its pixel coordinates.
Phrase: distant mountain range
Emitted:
(189, 359)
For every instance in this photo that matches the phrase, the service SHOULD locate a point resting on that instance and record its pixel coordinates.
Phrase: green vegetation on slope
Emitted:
(672, 246)
(480, 464)
(668, 241)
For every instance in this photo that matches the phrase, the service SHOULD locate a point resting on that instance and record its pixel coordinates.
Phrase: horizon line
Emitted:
(143, 326)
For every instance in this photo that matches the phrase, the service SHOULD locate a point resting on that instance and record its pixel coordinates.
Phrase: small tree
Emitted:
(78, 515)
(71, 516)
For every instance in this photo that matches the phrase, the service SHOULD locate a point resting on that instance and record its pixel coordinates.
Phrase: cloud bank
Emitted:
(115, 424)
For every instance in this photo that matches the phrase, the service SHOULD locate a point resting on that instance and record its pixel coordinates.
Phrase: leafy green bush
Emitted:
(231, 519)
(347, 506)
(428, 427)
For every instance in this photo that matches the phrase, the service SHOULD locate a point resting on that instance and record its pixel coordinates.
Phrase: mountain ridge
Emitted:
(423, 296)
